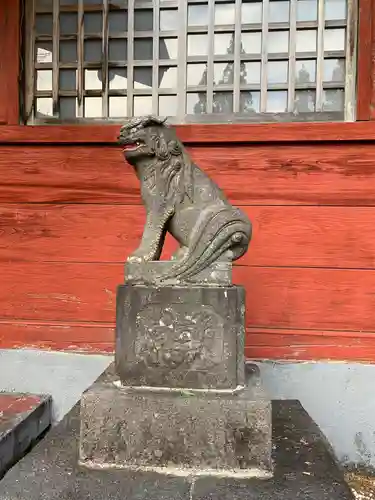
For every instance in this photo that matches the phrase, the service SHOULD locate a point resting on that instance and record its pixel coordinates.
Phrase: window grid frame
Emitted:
(348, 55)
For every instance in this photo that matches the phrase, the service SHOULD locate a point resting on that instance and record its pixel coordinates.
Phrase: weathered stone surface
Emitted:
(180, 198)
(217, 274)
(180, 336)
(304, 465)
(23, 418)
(304, 469)
(177, 429)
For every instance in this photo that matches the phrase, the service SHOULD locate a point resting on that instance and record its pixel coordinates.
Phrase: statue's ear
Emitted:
(149, 121)
(160, 147)
(174, 147)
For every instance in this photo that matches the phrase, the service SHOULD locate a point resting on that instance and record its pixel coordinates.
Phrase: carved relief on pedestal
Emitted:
(171, 337)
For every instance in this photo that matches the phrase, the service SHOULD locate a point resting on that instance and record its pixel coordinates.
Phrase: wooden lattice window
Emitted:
(192, 60)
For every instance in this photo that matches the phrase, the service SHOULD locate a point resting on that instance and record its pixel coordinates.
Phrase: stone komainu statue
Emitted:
(180, 198)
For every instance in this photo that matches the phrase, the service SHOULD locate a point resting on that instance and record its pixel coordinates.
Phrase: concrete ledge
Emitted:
(23, 419)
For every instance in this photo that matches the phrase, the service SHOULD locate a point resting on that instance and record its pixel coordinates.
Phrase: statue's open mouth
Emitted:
(131, 146)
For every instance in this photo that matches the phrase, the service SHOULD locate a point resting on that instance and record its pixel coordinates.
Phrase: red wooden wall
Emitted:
(70, 213)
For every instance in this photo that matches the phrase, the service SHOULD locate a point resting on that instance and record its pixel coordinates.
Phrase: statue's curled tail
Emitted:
(224, 229)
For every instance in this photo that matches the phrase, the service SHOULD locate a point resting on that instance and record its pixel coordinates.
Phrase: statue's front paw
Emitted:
(139, 256)
(136, 258)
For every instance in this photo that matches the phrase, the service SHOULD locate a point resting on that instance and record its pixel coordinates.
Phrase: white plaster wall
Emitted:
(63, 376)
(339, 396)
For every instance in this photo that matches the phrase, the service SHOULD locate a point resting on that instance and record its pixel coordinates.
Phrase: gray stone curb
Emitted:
(24, 418)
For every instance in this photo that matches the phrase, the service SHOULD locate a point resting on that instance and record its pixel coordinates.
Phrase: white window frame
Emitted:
(181, 32)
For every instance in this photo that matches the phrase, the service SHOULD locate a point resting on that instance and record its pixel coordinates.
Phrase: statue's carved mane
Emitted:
(173, 167)
(142, 122)
(180, 199)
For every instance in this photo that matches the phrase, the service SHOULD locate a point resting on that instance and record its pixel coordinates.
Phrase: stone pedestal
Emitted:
(182, 404)
(180, 336)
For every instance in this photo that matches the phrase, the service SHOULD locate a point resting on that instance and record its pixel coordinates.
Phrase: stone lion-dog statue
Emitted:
(181, 199)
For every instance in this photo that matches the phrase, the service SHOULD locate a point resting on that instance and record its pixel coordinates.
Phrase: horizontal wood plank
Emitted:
(309, 298)
(276, 297)
(341, 174)
(106, 133)
(81, 337)
(312, 352)
(310, 345)
(260, 343)
(294, 236)
(66, 175)
(60, 292)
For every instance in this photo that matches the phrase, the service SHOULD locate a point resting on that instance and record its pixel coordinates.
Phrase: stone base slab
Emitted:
(303, 468)
(217, 274)
(23, 419)
(177, 432)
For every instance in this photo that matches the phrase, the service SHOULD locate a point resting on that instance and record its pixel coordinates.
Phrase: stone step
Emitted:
(23, 420)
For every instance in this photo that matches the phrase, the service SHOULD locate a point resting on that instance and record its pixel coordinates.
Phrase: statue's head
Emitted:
(147, 137)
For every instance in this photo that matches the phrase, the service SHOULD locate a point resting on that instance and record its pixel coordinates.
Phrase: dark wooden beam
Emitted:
(365, 64)
(10, 40)
(195, 134)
